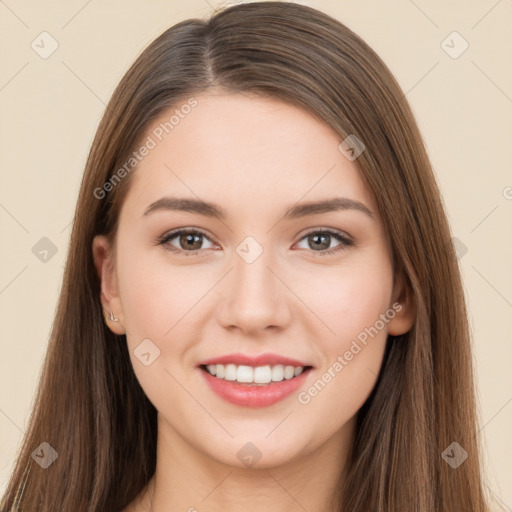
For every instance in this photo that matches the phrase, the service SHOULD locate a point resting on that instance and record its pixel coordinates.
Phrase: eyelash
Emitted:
(344, 241)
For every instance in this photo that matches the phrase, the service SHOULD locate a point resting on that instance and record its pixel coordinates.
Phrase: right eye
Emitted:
(189, 241)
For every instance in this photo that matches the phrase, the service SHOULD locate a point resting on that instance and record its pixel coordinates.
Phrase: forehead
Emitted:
(245, 152)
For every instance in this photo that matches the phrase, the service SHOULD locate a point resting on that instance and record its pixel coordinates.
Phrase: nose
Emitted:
(254, 297)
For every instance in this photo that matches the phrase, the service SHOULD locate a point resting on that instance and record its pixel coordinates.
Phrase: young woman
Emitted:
(261, 308)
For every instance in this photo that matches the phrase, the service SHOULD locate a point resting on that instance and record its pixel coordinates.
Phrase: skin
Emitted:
(254, 157)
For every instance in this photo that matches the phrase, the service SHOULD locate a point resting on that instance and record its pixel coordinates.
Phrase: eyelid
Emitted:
(330, 231)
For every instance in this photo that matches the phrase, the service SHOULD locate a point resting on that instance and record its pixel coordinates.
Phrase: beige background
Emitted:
(50, 108)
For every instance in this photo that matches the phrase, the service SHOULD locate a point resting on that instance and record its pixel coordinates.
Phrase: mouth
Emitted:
(254, 386)
(254, 376)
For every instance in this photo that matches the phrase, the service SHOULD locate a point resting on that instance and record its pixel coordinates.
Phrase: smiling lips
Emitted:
(254, 381)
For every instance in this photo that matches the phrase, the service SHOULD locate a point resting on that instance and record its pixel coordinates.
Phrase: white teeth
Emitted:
(289, 372)
(244, 374)
(220, 371)
(230, 372)
(262, 374)
(277, 372)
(254, 375)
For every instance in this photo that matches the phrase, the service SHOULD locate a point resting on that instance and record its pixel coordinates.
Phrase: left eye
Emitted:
(190, 242)
(322, 240)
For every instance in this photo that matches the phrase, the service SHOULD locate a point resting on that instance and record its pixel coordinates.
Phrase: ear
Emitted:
(103, 255)
(404, 307)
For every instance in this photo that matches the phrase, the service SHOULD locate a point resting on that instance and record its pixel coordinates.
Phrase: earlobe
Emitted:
(109, 296)
(404, 306)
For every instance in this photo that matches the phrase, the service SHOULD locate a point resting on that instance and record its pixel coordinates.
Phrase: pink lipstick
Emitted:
(254, 381)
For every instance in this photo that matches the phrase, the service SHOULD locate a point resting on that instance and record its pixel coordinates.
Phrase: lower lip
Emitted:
(254, 396)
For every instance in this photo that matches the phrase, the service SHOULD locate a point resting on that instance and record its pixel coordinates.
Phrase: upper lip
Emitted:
(259, 360)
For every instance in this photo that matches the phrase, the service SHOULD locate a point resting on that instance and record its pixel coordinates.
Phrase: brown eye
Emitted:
(185, 241)
(191, 241)
(320, 242)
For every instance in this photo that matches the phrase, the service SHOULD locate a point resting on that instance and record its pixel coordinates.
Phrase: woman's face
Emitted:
(257, 279)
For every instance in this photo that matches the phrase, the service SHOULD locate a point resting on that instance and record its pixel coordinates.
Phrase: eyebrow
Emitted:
(293, 212)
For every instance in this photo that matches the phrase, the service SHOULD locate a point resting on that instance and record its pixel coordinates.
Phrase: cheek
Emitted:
(348, 298)
(157, 297)
(350, 301)
(338, 391)
(157, 301)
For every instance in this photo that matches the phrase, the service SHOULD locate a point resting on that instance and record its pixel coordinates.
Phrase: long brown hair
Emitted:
(90, 407)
